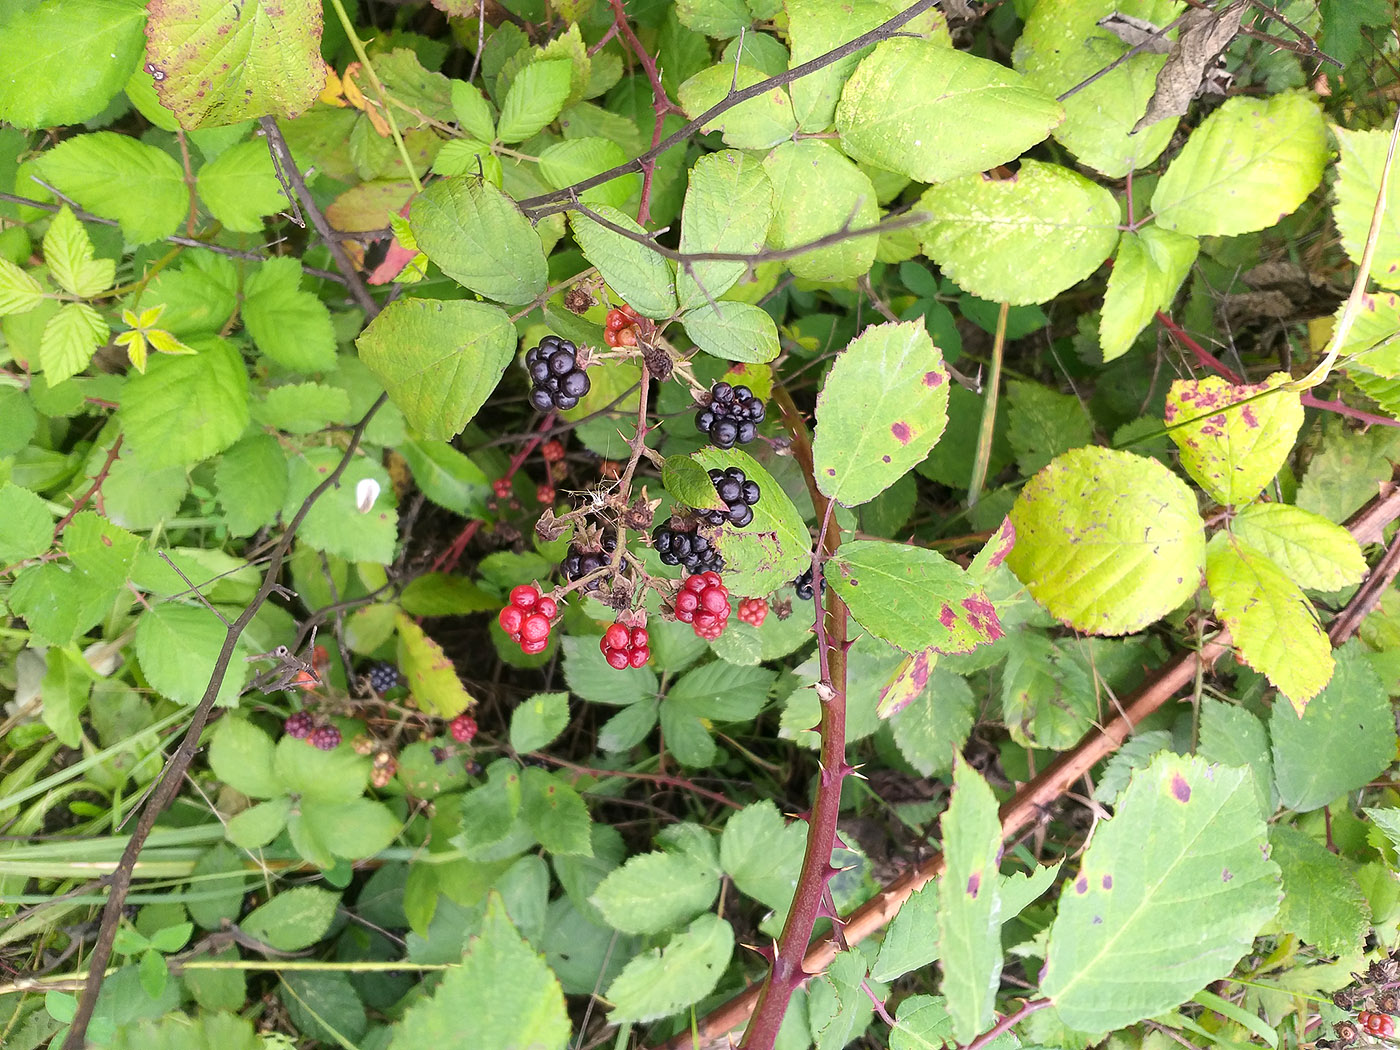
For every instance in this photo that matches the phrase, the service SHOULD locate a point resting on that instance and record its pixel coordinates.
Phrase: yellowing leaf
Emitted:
(430, 673)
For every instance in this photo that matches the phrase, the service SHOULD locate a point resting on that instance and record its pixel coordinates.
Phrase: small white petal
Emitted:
(366, 492)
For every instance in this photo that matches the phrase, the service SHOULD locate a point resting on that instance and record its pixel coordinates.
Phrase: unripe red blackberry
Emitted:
(299, 725)
(324, 738)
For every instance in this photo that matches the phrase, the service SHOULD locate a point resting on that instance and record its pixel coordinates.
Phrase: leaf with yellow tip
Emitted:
(430, 674)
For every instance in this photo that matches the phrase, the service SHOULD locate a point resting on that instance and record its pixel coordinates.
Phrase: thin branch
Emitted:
(95, 488)
(558, 200)
(1008, 1022)
(660, 104)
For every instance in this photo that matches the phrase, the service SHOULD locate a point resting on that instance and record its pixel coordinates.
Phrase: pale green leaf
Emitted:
(218, 63)
(240, 186)
(882, 408)
(762, 852)
(912, 939)
(294, 919)
(289, 325)
(911, 597)
(1023, 239)
(1359, 168)
(733, 331)
(353, 829)
(1251, 162)
(635, 272)
(177, 646)
(258, 825)
(1322, 903)
(68, 252)
(1062, 45)
(720, 19)
(1233, 454)
(728, 208)
(1183, 831)
(536, 722)
(120, 178)
(302, 408)
(480, 239)
(26, 526)
(251, 480)
(1314, 552)
(536, 96)
(1107, 541)
(555, 812)
(472, 111)
(185, 409)
(576, 159)
(438, 359)
(240, 754)
(70, 339)
(1344, 738)
(1150, 266)
(926, 135)
(19, 291)
(1273, 625)
(655, 891)
(664, 980)
(1233, 736)
(1373, 341)
(820, 193)
(758, 123)
(773, 548)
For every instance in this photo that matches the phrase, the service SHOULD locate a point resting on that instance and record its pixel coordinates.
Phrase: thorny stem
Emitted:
(660, 104)
(93, 490)
(1008, 1022)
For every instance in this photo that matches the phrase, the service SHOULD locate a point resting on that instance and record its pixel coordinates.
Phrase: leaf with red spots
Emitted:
(969, 903)
(913, 598)
(216, 62)
(1230, 452)
(994, 552)
(881, 410)
(431, 676)
(1151, 898)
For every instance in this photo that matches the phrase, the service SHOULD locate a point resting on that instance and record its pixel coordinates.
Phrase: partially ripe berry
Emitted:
(501, 487)
(299, 725)
(524, 596)
(552, 450)
(703, 602)
(462, 728)
(753, 611)
(324, 738)
(625, 646)
(526, 619)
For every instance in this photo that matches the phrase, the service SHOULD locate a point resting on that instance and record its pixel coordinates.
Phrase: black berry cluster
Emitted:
(731, 417)
(690, 549)
(739, 494)
(578, 563)
(803, 586)
(383, 676)
(558, 381)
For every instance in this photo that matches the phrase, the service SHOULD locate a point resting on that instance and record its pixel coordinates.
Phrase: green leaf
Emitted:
(69, 341)
(438, 594)
(1251, 162)
(438, 359)
(1044, 424)
(632, 270)
(503, 994)
(536, 723)
(733, 331)
(352, 829)
(117, 177)
(104, 552)
(1183, 830)
(912, 939)
(334, 524)
(762, 853)
(1233, 454)
(839, 1007)
(1049, 696)
(654, 892)
(491, 814)
(1273, 625)
(302, 408)
(429, 672)
(184, 410)
(931, 729)
(294, 919)
(65, 687)
(819, 193)
(472, 111)
(480, 239)
(912, 598)
(773, 548)
(258, 825)
(339, 775)
(447, 477)
(68, 251)
(1107, 541)
(925, 137)
(323, 1006)
(251, 480)
(1344, 738)
(1062, 46)
(662, 981)
(555, 813)
(1322, 903)
(689, 483)
(720, 19)
(1359, 168)
(177, 646)
(1232, 736)
(759, 123)
(590, 678)
(1150, 266)
(714, 692)
(576, 159)
(969, 904)
(62, 64)
(240, 186)
(882, 408)
(728, 208)
(19, 291)
(240, 754)
(536, 96)
(1314, 552)
(26, 526)
(217, 63)
(1023, 239)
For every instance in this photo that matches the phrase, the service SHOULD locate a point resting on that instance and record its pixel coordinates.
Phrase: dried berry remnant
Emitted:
(557, 380)
(383, 676)
(803, 586)
(586, 558)
(625, 646)
(753, 611)
(688, 549)
(462, 728)
(299, 725)
(703, 602)
(324, 738)
(738, 492)
(527, 619)
(731, 417)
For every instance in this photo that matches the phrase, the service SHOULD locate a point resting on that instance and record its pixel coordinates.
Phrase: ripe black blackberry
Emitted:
(803, 586)
(299, 725)
(557, 380)
(578, 563)
(690, 549)
(731, 417)
(739, 494)
(383, 676)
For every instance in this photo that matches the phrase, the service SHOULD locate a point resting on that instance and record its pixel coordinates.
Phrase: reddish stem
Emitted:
(660, 104)
(97, 481)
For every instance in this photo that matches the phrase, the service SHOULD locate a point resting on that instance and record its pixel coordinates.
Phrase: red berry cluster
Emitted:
(625, 646)
(527, 619)
(462, 728)
(552, 450)
(620, 328)
(1381, 1025)
(753, 611)
(704, 604)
